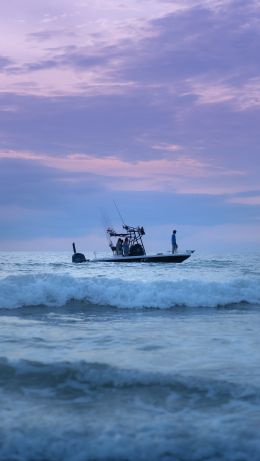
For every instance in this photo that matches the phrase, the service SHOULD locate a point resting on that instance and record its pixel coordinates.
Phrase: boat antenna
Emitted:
(117, 209)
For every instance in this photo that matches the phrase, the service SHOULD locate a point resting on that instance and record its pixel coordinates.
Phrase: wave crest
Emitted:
(58, 290)
(65, 378)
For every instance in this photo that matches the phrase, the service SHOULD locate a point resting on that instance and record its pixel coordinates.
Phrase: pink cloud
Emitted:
(251, 201)
(115, 167)
(86, 26)
(164, 147)
(182, 173)
(241, 96)
(90, 27)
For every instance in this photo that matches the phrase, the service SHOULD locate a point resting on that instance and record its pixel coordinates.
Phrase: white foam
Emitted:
(57, 290)
(133, 415)
(94, 376)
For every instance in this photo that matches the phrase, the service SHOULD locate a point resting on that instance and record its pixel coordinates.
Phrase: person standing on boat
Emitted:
(174, 243)
(119, 246)
(126, 247)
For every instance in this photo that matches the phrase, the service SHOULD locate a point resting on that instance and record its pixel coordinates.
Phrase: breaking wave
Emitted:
(58, 290)
(81, 378)
(74, 411)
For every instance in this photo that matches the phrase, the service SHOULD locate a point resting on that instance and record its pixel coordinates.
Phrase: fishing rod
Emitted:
(106, 225)
(117, 209)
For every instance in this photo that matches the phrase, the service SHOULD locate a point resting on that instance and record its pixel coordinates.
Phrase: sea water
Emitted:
(100, 361)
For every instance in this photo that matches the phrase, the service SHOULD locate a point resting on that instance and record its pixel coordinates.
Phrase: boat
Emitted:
(134, 251)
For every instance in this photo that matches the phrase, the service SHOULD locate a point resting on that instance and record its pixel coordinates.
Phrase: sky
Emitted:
(151, 104)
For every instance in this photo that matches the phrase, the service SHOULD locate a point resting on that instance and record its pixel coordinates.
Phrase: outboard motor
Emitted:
(77, 257)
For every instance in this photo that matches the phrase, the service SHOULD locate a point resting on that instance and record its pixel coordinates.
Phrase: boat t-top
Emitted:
(127, 246)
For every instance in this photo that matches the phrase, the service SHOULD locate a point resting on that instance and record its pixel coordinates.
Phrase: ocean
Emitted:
(107, 362)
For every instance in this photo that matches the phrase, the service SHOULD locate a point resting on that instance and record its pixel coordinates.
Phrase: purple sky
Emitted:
(152, 103)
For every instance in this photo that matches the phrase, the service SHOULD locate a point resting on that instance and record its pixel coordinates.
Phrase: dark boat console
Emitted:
(134, 237)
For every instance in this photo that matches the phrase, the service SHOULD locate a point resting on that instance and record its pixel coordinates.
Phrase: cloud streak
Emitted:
(153, 101)
(181, 174)
(93, 49)
(240, 97)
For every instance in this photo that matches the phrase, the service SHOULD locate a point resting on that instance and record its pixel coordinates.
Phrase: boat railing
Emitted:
(134, 235)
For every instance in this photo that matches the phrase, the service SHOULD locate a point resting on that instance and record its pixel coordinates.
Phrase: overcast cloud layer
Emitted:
(154, 104)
